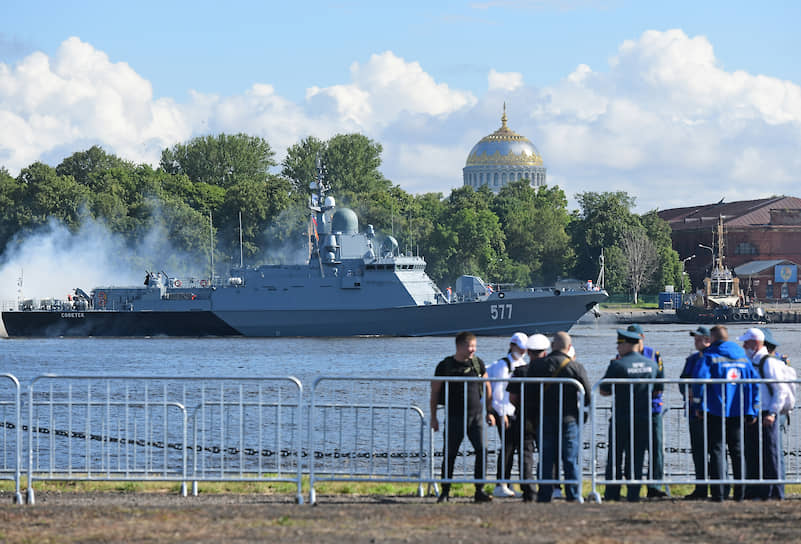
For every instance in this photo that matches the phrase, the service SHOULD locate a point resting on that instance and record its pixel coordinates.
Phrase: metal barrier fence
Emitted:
(120, 428)
(11, 441)
(368, 434)
(248, 429)
(375, 431)
(742, 438)
(360, 429)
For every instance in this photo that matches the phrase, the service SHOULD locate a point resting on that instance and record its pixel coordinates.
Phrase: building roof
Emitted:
(742, 213)
(752, 268)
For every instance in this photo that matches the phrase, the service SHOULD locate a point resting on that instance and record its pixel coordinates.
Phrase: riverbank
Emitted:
(146, 517)
(776, 313)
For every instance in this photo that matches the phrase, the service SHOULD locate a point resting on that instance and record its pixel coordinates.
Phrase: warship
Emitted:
(352, 284)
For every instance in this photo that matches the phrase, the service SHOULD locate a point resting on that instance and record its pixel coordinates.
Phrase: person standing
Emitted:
(628, 430)
(656, 448)
(558, 407)
(731, 407)
(463, 411)
(695, 413)
(505, 411)
(537, 347)
(773, 397)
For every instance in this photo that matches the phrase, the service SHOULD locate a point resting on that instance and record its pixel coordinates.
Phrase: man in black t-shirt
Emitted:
(462, 414)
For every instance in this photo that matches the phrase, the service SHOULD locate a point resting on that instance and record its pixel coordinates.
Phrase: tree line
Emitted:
(523, 235)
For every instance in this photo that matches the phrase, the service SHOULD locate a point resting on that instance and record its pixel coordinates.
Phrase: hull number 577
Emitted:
(500, 311)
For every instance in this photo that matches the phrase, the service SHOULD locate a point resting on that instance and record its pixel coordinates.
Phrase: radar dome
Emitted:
(345, 221)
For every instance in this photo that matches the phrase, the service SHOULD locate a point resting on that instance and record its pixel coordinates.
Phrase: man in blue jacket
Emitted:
(729, 406)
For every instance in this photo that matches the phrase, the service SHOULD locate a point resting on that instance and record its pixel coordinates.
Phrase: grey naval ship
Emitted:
(353, 284)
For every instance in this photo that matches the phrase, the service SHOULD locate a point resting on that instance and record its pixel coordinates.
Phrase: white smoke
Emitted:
(52, 261)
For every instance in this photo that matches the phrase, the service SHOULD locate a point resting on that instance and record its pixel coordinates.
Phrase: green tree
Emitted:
(600, 225)
(86, 166)
(47, 195)
(352, 162)
(669, 270)
(222, 160)
(534, 221)
(299, 166)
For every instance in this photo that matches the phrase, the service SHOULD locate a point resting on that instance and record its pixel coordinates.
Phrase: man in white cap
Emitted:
(538, 347)
(773, 396)
(505, 411)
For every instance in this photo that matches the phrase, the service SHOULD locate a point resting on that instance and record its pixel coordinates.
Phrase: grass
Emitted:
(283, 488)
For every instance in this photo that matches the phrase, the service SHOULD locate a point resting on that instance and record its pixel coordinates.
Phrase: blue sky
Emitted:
(678, 103)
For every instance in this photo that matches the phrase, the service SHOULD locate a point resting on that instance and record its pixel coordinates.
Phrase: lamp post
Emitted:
(684, 272)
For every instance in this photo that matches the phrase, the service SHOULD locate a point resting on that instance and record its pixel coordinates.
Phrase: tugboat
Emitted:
(353, 284)
(721, 300)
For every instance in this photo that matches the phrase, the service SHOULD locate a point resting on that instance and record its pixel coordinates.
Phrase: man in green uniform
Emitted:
(631, 407)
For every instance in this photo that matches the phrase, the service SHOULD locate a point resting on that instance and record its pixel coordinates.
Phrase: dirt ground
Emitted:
(145, 517)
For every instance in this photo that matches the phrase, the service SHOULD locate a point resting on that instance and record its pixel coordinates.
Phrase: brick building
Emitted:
(754, 230)
(772, 280)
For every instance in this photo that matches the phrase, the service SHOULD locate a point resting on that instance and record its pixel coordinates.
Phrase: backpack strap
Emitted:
(556, 372)
(762, 370)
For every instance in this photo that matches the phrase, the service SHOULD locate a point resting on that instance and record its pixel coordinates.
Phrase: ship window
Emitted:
(746, 248)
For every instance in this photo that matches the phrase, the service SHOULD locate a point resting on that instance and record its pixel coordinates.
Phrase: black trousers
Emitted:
(717, 453)
(510, 439)
(454, 434)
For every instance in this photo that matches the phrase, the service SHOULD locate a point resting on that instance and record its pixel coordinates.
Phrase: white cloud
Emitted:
(504, 81)
(664, 119)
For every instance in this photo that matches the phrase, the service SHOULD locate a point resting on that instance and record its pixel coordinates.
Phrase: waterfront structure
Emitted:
(502, 157)
(767, 229)
(771, 280)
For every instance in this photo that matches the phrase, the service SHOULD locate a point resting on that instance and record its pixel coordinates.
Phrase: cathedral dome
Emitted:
(501, 158)
(504, 147)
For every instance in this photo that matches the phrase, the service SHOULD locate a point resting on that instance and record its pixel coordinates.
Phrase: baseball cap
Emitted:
(635, 328)
(538, 342)
(752, 334)
(630, 337)
(701, 331)
(519, 339)
(769, 337)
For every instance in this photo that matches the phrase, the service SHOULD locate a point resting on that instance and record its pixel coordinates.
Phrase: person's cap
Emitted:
(627, 336)
(701, 331)
(519, 339)
(769, 337)
(752, 334)
(635, 328)
(538, 342)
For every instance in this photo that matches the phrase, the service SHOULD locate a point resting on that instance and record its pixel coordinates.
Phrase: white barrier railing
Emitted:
(12, 436)
(248, 430)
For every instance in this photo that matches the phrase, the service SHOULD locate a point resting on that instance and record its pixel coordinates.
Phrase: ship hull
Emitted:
(494, 317)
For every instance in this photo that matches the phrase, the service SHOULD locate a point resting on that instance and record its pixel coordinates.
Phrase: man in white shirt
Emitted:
(773, 396)
(508, 423)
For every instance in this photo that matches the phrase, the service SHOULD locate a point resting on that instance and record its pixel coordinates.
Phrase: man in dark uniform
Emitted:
(695, 413)
(632, 406)
(656, 448)
(561, 416)
(464, 363)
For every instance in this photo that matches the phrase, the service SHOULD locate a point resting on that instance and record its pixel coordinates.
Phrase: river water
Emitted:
(308, 358)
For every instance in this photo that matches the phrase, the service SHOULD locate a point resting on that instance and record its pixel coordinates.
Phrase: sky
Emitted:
(678, 103)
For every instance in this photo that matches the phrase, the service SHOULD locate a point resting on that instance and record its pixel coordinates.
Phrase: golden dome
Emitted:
(504, 147)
